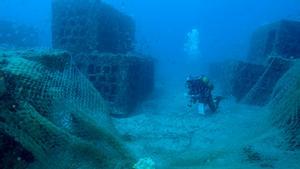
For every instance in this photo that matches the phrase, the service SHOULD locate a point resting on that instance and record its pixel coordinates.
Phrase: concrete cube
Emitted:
(90, 25)
(123, 80)
(280, 39)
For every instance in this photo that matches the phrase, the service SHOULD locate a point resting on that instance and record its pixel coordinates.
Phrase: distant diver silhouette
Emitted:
(199, 91)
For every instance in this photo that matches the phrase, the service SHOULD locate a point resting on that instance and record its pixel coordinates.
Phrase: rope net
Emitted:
(285, 105)
(57, 114)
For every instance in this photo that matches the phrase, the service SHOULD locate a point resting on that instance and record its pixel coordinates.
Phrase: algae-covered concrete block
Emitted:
(85, 26)
(281, 39)
(254, 83)
(245, 77)
(222, 76)
(123, 80)
(273, 48)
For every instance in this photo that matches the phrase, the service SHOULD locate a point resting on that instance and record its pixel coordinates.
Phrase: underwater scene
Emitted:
(149, 84)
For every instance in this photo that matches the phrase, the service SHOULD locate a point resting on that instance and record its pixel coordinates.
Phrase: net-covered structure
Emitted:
(123, 80)
(285, 106)
(269, 78)
(51, 112)
(101, 40)
(273, 48)
(276, 39)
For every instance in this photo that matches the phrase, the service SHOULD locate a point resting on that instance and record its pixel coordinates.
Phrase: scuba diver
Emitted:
(200, 89)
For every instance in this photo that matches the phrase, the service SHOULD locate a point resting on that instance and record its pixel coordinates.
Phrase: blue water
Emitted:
(225, 26)
(163, 129)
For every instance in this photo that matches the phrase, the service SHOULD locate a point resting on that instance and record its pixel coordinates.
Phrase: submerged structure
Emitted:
(56, 105)
(91, 25)
(269, 77)
(273, 49)
(50, 111)
(101, 41)
(123, 80)
(285, 106)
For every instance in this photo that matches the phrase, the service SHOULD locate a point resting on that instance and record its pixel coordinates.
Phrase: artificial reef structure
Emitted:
(50, 111)
(101, 41)
(57, 104)
(269, 76)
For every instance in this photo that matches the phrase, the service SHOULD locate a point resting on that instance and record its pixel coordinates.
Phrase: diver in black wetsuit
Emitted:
(200, 89)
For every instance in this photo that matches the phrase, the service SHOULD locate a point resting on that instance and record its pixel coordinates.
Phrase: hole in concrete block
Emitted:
(106, 69)
(98, 87)
(98, 69)
(92, 78)
(113, 89)
(91, 69)
(114, 69)
(110, 98)
(104, 90)
(112, 79)
(101, 79)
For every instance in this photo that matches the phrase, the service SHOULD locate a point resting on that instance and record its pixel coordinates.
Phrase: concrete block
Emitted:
(280, 39)
(86, 26)
(253, 83)
(123, 80)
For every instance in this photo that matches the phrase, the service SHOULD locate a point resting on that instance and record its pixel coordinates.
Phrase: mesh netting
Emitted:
(261, 90)
(285, 105)
(58, 114)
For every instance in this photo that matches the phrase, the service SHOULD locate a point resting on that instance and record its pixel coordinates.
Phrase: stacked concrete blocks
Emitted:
(273, 48)
(253, 83)
(123, 80)
(280, 39)
(90, 25)
(100, 39)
